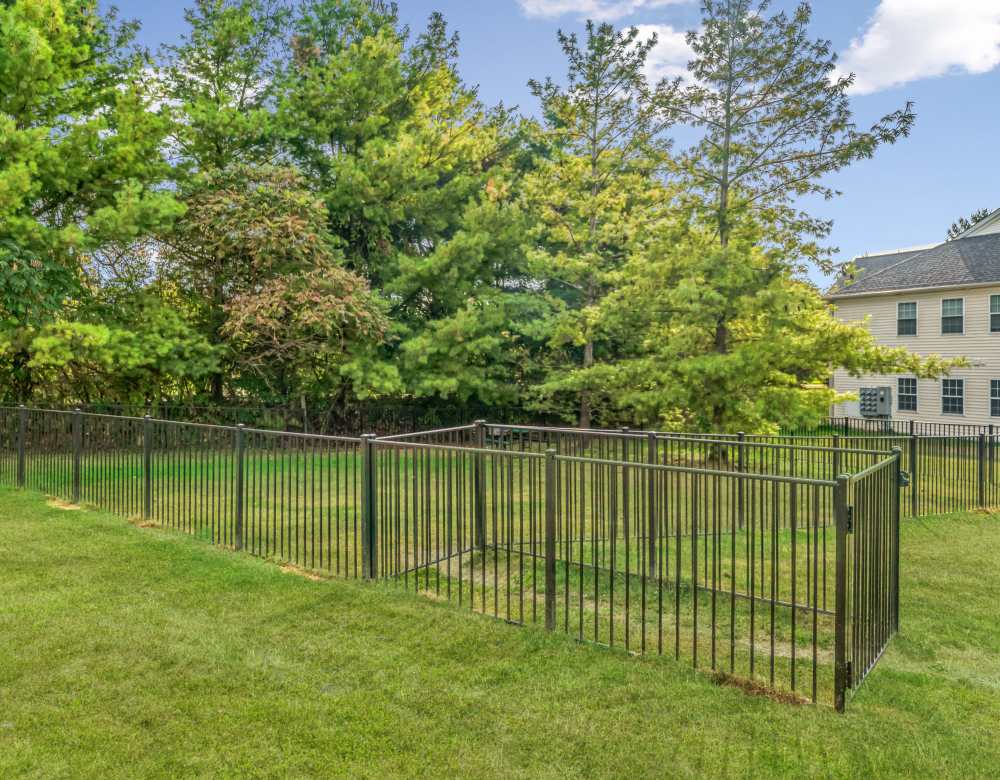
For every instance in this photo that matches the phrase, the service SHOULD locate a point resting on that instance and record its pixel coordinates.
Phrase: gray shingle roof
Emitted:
(973, 260)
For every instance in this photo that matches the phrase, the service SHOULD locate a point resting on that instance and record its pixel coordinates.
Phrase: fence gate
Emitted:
(867, 515)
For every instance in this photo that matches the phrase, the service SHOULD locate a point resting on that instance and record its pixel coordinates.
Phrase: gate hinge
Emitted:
(904, 479)
(850, 519)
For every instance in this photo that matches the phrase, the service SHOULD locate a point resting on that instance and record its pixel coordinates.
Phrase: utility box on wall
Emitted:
(875, 402)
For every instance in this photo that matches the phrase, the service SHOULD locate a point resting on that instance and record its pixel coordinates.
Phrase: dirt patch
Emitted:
(66, 506)
(140, 522)
(754, 688)
(288, 568)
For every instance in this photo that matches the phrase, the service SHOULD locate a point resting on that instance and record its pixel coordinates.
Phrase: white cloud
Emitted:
(670, 56)
(908, 40)
(591, 9)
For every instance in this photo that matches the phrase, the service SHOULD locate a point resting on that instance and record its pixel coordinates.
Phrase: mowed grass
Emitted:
(141, 652)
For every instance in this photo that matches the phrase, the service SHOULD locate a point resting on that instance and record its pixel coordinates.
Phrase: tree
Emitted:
(413, 171)
(218, 84)
(962, 224)
(108, 358)
(784, 339)
(263, 279)
(81, 165)
(597, 190)
(775, 119)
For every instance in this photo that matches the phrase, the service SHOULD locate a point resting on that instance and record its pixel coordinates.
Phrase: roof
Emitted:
(960, 262)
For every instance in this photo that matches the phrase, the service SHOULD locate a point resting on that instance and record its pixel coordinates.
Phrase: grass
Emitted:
(142, 652)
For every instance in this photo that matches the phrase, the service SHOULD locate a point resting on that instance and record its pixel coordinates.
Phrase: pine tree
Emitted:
(597, 190)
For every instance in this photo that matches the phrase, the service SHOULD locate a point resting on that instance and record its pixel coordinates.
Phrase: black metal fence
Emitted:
(754, 559)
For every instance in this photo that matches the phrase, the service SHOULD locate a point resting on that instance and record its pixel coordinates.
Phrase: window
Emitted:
(995, 398)
(952, 396)
(906, 318)
(995, 314)
(952, 315)
(906, 391)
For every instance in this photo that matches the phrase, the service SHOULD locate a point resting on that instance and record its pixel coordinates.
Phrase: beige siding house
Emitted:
(944, 300)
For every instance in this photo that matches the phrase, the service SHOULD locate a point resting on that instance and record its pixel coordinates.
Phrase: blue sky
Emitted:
(942, 54)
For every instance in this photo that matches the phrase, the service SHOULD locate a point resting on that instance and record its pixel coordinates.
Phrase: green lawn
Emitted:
(140, 652)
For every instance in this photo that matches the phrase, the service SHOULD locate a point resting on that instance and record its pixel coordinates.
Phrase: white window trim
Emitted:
(990, 313)
(916, 395)
(916, 320)
(941, 389)
(989, 399)
(941, 319)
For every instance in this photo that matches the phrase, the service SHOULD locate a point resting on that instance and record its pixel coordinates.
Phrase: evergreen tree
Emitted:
(81, 164)
(412, 169)
(598, 189)
(964, 223)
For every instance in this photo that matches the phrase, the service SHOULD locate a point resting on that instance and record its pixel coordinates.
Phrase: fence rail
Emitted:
(752, 558)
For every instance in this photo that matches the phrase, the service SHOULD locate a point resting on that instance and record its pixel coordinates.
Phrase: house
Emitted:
(942, 299)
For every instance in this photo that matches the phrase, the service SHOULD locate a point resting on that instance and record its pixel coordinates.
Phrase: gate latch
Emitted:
(904, 479)
(850, 519)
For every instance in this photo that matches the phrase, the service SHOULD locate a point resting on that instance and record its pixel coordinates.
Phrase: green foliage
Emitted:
(964, 223)
(783, 338)
(305, 200)
(262, 278)
(119, 359)
(218, 83)
(595, 194)
(80, 163)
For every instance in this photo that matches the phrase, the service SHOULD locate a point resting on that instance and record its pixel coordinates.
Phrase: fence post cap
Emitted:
(479, 422)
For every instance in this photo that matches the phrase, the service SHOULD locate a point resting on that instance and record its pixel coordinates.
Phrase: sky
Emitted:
(943, 55)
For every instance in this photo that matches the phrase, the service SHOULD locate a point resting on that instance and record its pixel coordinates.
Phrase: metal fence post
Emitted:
(550, 540)
(914, 485)
(77, 452)
(369, 559)
(147, 467)
(651, 502)
(991, 453)
(22, 435)
(840, 682)
(240, 455)
(479, 485)
(981, 458)
(895, 551)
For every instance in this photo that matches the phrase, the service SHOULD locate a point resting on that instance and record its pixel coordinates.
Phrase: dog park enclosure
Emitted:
(773, 561)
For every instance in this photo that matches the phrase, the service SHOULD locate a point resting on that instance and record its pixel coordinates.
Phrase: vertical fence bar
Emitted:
(369, 560)
(22, 435)
(837, 459)
(914, 504)
(894, 557)
(77, 452)
(550, 540)
(479, 485)
(147, 467)
(991, 455)
(651, 519)
(741, 467)
(981, 462)
(840, 682)
(239, 477)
